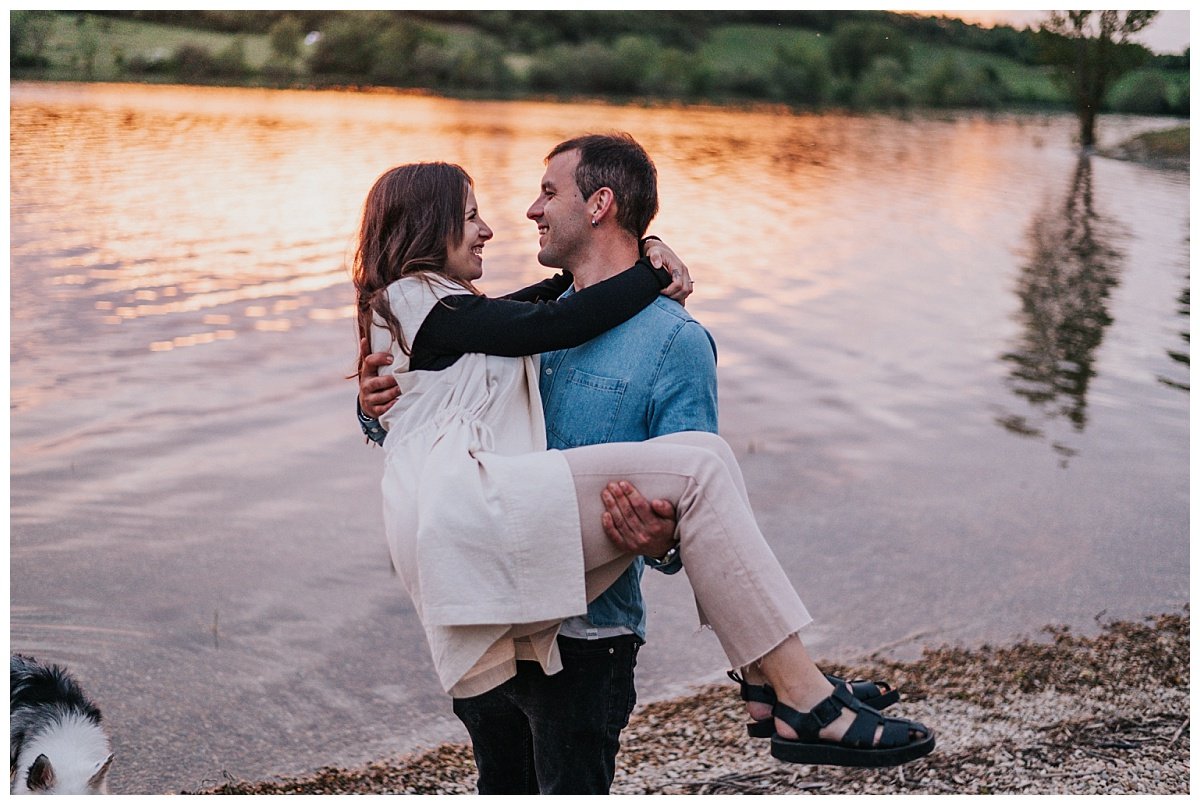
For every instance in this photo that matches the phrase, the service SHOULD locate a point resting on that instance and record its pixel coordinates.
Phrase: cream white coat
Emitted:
(481, 519)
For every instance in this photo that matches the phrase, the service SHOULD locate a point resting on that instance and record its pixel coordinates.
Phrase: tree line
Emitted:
(861, 59)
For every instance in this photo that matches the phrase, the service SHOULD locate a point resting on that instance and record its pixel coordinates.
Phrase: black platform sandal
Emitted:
(857, 747)
(869, 693)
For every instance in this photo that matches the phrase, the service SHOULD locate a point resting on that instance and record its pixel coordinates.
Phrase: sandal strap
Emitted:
(763, 694)
(807, 725)
(862, 732)
(897, 732)
(866, 689)
(861, 688)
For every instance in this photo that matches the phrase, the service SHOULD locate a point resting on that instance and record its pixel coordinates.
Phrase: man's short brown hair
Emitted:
(618, 162)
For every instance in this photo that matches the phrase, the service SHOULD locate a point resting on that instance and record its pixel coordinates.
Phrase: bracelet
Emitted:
(667, 558)
(371, 428)
(642, 244)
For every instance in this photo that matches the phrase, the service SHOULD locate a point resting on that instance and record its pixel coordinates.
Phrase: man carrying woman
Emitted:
(471, 424)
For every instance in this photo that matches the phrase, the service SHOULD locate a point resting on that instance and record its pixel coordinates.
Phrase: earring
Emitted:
(595, 223)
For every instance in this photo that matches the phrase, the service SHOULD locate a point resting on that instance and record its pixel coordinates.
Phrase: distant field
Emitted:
(752, 46)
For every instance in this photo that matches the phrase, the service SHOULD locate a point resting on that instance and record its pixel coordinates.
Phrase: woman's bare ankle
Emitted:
(806, 696)
(797, 681)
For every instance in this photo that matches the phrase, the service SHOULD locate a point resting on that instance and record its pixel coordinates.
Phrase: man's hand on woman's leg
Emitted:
(635, 524)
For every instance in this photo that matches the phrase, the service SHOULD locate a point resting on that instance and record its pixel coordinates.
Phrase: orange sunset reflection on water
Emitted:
(159, 219)
(172, 205)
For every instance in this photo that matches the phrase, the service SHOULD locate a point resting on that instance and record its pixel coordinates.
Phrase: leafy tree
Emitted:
(949, 84)
(883, 85)
(1173, 61)
(1091, 50)
(397, 48)
(231, 61)
(28, 34)
(285, 35)
(479, 65)
(741, 81)
(431, 65)
(279, 70)
(800, 74)
(939, 85)
(591, 67)
(637, 58)
(1142, 92)
(349, 44)
(89, 45)
(856, 45)
(1183, 106)
(193, 62)
(675, 73)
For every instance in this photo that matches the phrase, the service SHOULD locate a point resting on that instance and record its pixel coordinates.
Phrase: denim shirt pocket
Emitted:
(585, 407)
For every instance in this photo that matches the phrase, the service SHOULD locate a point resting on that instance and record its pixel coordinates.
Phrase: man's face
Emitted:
(561, 213)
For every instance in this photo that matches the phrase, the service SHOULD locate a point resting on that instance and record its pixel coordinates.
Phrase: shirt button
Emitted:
(549, 371)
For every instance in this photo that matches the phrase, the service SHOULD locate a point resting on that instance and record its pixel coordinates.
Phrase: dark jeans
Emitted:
(555, 734)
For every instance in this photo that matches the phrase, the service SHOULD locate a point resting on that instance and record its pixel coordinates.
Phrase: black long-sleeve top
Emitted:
(533, 320)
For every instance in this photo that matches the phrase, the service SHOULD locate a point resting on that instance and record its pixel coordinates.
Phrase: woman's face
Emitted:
(464, 260)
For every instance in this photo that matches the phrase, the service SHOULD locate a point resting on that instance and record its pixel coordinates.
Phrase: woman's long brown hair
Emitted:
(410, 216)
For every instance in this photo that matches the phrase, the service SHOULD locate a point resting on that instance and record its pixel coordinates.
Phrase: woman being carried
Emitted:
(498, 539)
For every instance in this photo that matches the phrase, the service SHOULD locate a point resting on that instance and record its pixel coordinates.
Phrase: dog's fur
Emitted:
(56, 745)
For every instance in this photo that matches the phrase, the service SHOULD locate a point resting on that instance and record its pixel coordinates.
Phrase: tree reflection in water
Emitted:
(1182, 356)
(1070, 269)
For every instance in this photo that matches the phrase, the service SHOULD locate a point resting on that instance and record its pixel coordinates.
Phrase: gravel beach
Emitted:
(1062, 714)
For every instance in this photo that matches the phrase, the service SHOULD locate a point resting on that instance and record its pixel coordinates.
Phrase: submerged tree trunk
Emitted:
(1087, 127)
(1092, 50)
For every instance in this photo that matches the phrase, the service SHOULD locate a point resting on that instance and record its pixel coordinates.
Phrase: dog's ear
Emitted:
(98, 781)
(41, 775)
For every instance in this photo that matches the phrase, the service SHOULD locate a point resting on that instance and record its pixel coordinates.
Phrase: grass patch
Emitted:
(752, 47)
(1168, 144)
(1176, 84)
(1024, 83)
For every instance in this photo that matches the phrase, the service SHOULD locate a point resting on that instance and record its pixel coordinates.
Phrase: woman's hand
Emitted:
(661, 256)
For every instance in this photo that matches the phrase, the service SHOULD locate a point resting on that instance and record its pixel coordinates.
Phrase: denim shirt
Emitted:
(653, 375)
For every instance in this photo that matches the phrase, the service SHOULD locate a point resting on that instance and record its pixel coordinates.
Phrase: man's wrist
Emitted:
(667, 558)
(371, 427)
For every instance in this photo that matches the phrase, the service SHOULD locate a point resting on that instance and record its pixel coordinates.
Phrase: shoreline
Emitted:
(1108, 714)
(731, 102)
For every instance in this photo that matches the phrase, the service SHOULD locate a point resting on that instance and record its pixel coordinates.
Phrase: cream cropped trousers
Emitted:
(741, 591)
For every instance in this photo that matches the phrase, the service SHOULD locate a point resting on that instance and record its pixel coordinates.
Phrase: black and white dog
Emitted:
(56, 745)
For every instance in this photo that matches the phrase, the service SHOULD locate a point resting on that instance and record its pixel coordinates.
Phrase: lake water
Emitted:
(953, 361)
